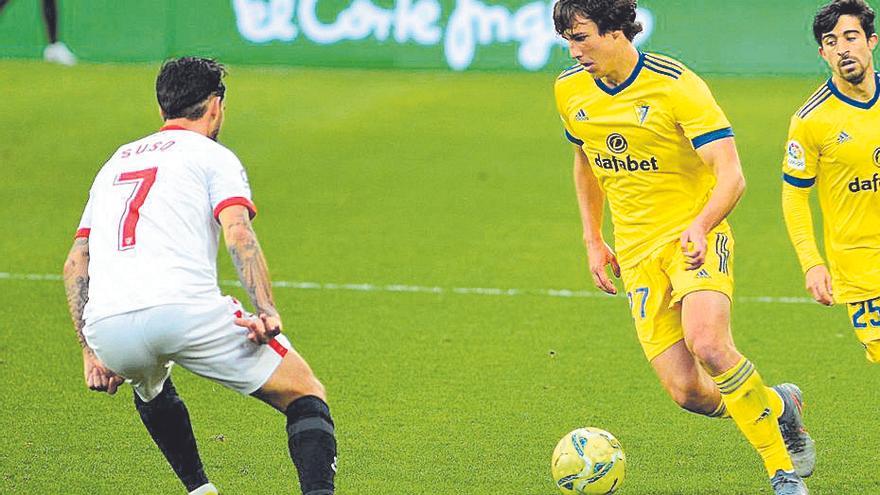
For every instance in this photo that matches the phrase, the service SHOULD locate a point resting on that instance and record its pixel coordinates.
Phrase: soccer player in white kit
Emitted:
(141, 282)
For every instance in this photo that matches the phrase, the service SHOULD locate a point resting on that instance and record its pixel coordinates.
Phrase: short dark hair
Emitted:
(185, 83)
(609, 15)
(828, 16)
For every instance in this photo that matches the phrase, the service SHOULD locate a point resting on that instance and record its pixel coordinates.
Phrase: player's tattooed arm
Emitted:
(247, 256)
(76, 284)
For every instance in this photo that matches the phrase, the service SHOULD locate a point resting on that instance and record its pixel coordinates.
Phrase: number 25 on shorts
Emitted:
(861, 308)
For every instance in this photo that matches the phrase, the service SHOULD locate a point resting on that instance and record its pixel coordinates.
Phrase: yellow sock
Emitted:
(749, 404)
(775, 402)
(720, 412)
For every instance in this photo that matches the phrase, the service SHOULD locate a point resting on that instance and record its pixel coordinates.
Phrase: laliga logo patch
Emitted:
(877, 157)
(616, 143)
(796, 156)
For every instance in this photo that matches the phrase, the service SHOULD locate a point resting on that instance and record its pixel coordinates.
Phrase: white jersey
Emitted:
(152, 222)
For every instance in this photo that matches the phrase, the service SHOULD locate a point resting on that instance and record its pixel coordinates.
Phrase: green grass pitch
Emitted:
(423, 179)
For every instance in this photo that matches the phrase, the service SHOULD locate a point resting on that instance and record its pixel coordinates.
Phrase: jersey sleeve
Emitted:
(228, 184)
(799, 223)
(799, 166)
(566, 125)
(85, 223)
(697, 112)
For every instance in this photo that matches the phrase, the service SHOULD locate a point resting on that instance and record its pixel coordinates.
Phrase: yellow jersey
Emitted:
(641, 138)
(834, 144)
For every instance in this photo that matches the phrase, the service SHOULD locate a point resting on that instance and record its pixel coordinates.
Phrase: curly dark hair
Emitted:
(828, 16)
(185, 83)
(609, 15)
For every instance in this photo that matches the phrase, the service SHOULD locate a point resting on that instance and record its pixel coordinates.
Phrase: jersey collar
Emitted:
(625, 84)
(864, 105)
(172, 128)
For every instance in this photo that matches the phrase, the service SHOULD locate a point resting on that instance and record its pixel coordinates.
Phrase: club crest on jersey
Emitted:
(581, 116)
(877, 157)
(796, 155)
(616, 143)
(843, 137)
(642, 112)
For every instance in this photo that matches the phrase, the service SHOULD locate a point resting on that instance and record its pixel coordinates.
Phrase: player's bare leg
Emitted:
(705, 316)
(294, 390)
(753, 407)
(687, 382)
(292, 380)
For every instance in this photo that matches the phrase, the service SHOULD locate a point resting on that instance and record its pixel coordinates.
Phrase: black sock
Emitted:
(312, 444)
(50, 14)
(167, 420)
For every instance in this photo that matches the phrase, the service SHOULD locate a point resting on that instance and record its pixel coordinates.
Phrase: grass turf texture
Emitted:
(451, 180)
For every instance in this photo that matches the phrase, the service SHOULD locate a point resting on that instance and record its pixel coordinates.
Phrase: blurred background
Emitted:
(717, 36)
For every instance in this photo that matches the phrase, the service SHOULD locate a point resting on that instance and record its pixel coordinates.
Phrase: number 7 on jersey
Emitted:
(143, 181)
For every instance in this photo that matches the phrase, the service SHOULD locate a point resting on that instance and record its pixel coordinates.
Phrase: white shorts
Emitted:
(203, 338)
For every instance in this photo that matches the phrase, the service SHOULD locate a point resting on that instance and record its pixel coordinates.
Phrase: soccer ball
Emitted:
(588, 461)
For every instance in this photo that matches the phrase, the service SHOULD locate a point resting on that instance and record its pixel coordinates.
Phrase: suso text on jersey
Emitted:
(146, 148)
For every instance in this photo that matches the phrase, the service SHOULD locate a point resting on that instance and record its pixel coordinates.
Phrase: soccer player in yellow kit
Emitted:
(834, 145)
(649, 137)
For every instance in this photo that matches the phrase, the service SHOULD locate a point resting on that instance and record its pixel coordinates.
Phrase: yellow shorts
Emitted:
(656, 285)
(865, 319)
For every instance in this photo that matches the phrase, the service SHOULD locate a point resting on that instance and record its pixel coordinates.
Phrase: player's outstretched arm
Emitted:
(76, 284)
(253, 273)
(591, 202)
(799, 223)
(730, 184)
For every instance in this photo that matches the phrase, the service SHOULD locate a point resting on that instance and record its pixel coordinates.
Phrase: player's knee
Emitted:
(301, 386)
(313, 386)
(167, 397)
(714, 356)
(872, 351)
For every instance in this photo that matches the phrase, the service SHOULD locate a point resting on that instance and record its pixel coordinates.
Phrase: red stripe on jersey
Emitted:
(235, 200)
(277, 347)
(239, 314)
(82, 233)
(172, 128)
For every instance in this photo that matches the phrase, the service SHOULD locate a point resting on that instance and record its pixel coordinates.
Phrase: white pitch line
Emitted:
(422, 289)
